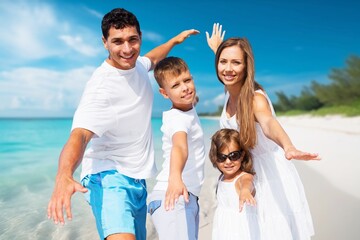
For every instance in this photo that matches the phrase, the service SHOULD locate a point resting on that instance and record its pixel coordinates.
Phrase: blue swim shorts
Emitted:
(118, 203)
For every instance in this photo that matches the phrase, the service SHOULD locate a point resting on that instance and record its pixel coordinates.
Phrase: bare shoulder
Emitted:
(261, 104)
(245, 176)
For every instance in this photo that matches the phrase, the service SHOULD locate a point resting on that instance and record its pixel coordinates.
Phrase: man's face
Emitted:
(123, 46)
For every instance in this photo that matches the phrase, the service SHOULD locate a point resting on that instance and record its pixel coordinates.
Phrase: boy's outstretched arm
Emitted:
(178, 158)
(160, 52)
(217, 36)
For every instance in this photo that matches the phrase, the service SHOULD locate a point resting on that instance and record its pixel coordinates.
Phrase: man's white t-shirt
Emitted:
(175, 121)
(116, 106)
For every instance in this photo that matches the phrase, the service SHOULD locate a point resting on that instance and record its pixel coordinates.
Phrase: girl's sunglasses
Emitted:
(233, 156)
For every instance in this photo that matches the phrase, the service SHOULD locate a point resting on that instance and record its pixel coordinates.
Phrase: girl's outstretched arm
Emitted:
(245, 188)
(274, 131)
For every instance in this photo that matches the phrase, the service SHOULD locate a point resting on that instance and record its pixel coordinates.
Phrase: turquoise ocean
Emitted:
(29, 151)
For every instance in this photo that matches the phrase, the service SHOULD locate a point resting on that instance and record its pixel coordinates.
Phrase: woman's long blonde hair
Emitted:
(244, 110)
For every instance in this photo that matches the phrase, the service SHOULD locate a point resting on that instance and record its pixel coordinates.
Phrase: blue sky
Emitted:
(49, 49)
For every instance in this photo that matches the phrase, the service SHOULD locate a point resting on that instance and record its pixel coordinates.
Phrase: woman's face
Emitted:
(231, 65)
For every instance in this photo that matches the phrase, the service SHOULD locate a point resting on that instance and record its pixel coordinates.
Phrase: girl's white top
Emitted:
(229, 223)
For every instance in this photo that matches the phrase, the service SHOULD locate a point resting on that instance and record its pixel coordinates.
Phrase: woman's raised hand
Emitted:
(216, 38)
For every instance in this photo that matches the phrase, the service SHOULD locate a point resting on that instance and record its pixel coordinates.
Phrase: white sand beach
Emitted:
(331, 185)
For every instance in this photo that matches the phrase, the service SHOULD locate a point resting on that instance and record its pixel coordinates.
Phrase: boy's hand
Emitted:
(174, 191)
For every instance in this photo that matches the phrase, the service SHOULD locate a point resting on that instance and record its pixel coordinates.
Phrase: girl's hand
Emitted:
(216, 38)
(246, 198)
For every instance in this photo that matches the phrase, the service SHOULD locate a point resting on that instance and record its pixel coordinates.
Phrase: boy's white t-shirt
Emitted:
(174, 121)
(116, 106)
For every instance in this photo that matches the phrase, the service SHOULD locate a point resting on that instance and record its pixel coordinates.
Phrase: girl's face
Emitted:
(230, 168)
(231, 65)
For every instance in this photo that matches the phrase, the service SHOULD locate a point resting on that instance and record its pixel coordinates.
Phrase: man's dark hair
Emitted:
(119, 18)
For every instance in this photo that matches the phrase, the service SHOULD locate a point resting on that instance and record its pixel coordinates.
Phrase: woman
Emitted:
(283, 211)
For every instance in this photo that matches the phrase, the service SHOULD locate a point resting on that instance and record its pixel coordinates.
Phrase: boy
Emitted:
(173, 204)
(115, 115)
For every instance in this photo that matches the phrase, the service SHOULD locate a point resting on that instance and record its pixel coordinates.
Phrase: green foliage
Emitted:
(345, 87)
(342, 95)
(305, 102)
(346, 110)
(284, 103)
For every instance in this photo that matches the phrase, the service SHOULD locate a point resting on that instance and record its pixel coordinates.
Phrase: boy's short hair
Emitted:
(119, 18)
(170, 66)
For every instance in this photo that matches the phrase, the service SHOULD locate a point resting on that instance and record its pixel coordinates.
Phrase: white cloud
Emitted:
(42, 90)
(217, 101)
(94, 13)
(152, 37)
(34, 31)
(78, 45)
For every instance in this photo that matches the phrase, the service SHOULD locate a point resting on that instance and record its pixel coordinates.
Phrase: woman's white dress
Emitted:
(229, 223)
(282, 209)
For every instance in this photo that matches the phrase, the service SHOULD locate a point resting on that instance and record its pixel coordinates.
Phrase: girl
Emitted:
(282, 208)
(235, 188)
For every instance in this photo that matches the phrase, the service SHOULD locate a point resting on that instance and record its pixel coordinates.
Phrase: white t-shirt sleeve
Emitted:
(145, 61)
(94, 112)
(177, 124)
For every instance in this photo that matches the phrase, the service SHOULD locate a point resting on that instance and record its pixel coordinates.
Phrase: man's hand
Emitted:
(65, 187)
(183, 35)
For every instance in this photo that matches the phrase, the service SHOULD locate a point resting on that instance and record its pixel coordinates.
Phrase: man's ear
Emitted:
(104, 42)
(163, 92)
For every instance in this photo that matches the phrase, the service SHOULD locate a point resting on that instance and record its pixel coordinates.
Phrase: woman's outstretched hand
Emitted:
(216, 38)
(293, 153)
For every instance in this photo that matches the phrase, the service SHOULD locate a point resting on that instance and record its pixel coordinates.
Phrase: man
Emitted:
(115, 116)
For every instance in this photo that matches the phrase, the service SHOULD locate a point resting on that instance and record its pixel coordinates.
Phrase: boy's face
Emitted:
(180, 90)
(123, 46)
